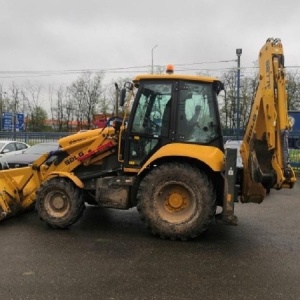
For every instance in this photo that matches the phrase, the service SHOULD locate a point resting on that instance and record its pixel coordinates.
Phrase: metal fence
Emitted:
(295, 159)
(32, 138)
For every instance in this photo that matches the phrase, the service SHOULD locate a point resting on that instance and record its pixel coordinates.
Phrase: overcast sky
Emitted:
(57, 35)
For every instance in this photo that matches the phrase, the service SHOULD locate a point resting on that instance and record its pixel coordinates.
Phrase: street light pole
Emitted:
(15, 115)
(238, 53)
(15, 119)
(3, 96)
(152, 58)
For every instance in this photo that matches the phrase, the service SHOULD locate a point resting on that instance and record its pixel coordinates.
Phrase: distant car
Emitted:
(12, 147)
(28, 156)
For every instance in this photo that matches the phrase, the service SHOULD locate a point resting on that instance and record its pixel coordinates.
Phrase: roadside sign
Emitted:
(20, 122)
(8, 121)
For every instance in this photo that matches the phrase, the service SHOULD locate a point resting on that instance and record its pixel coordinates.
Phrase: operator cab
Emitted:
(172, 109)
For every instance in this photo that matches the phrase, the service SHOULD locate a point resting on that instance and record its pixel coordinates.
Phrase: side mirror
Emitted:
(127, 86)
(122, 97)
(218, 86)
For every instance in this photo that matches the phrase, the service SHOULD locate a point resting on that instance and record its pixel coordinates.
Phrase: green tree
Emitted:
(36, 120)
(293, 90)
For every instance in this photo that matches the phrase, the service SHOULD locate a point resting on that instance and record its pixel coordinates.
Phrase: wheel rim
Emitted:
(57, 204)
(175, 203)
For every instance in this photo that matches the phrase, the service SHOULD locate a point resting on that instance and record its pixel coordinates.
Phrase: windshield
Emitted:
(149, 113)
(189, 113)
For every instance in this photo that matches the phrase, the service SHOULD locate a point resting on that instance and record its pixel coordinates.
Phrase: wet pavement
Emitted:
(109, 254)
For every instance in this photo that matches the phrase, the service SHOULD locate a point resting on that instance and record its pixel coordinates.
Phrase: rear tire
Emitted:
(59, 203)
(176, 201)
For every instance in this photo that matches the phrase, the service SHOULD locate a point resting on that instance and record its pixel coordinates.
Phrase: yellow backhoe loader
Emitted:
(166, 157)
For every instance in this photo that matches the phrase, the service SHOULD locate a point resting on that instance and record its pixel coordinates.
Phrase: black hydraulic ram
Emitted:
(230, 191)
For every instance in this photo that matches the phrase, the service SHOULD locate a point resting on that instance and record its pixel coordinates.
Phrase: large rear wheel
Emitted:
(59, 203)
(176, 201)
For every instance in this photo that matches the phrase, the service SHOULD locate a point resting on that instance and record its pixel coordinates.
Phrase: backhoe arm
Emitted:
(264, 149)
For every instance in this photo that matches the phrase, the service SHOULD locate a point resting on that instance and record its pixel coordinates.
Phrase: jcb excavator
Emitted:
(165, 157)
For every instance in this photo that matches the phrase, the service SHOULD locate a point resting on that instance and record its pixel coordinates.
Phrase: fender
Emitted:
(71, 176)
(211, 156)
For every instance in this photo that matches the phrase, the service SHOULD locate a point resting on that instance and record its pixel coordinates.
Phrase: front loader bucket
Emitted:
(9, 207)
(17, 191)
(18, 187)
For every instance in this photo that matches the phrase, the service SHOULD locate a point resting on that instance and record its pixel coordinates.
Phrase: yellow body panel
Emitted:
(211, 156)
(71, 176)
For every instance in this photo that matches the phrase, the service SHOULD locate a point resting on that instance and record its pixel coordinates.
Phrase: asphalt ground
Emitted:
(109, 254)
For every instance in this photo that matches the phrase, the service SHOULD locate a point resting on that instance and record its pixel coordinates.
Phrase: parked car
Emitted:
(28, 156)
(12, 147)
(236, 144)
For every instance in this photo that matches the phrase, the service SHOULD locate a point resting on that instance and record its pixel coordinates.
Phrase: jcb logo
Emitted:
(73, 158)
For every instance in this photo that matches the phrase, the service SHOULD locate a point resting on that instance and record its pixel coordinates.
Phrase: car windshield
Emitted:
(233, 144)
(41, 148)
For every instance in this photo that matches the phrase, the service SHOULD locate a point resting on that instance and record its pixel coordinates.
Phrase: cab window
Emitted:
(196, 115)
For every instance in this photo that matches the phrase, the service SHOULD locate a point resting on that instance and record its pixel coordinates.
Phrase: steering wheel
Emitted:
(150, 126)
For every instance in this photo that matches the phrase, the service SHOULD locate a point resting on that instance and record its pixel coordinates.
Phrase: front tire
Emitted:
(59, 203)
(176, 201)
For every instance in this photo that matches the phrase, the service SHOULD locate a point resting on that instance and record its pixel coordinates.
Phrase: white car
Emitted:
(12, 147)
(236, 144)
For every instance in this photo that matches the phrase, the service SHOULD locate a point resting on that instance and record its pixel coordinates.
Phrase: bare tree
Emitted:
(35, 111)
(228, 111)
(69, 108)
(247, 94)
(53, 109)
(159, 69)
(86, 92)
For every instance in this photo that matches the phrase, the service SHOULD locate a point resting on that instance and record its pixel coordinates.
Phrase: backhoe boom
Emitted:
(265, 145)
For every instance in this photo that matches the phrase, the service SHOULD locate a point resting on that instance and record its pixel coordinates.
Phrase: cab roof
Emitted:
(174, 77)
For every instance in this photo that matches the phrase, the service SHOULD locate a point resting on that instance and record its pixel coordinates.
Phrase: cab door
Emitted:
(150, 122)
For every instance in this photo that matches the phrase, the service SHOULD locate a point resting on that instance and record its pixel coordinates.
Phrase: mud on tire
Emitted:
(176, 201)
(59, 203)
